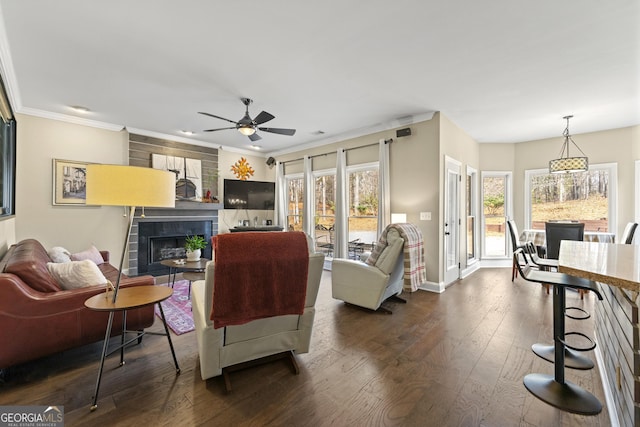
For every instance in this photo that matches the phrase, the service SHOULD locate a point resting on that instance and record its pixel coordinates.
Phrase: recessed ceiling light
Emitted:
(187, 132)
(80, 109)
(318, 132)
(256, 147)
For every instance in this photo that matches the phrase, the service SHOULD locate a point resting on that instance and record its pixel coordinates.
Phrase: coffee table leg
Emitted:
(166, 330)
(104, 354)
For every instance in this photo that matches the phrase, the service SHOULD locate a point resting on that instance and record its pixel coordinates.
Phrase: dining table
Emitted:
(616, 269)
(539, 238)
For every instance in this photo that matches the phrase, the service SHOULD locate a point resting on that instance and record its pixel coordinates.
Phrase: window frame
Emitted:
(287, 179)
(613, 193)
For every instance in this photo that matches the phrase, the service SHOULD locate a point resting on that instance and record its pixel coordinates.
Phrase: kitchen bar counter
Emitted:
(616, 268)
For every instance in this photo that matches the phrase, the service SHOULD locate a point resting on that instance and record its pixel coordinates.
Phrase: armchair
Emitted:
(222, 348)
(368, 286)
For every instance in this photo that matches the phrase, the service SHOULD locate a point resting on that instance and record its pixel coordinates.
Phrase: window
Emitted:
(295, 202)
(8, 149)
(363, 206)
(324, 205)
(587, 197)
(471, 210)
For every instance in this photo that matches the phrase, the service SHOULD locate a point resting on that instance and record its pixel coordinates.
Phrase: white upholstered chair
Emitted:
(368, 286)
(232, 345)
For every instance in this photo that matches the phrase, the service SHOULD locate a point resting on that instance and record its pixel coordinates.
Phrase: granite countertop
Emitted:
(613, 264)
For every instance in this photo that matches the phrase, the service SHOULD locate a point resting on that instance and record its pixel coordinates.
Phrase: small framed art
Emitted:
(69, 182)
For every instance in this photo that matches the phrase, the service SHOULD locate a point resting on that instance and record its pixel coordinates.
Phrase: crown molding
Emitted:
(369, 130)
(6, 68)
(70, 119)
(192, 141)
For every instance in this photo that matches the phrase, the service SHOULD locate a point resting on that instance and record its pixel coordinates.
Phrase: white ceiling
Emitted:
(502, 70)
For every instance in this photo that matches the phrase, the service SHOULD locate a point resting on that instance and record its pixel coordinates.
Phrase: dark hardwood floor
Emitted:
(454, 359)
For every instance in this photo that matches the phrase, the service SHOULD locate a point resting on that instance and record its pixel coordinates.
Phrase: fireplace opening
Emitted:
(158, 241)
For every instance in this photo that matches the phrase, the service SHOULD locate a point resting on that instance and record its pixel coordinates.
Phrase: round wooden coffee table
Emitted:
(193, 270)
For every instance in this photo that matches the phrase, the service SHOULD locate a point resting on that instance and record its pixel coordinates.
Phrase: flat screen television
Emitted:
(258, 195)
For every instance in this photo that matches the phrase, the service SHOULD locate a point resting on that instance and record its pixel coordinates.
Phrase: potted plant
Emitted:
(194, 246)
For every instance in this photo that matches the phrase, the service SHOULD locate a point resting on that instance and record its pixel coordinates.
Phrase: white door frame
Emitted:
(508, 211)
(451, 217)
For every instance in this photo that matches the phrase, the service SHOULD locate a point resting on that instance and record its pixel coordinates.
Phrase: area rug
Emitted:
(177, 309)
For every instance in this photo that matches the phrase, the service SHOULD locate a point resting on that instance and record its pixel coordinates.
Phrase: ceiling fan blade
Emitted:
(255, 137)
(263, 117)
(213, 130)
(216, 117)
(289, 132)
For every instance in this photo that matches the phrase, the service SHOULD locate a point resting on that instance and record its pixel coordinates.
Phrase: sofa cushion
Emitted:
(59, 254)
(28, 261)
(92, 254)
(76, 274)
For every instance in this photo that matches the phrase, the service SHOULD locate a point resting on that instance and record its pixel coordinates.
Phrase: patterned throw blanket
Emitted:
(415, 273)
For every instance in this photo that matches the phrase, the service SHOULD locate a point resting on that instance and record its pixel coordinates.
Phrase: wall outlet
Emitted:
(425, 216)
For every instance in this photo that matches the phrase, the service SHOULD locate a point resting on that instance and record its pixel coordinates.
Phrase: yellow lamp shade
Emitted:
(118, 185)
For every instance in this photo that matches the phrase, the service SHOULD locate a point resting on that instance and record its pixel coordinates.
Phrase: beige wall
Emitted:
(455, 143)
(620, 146)
(73, 227)
(414, 170)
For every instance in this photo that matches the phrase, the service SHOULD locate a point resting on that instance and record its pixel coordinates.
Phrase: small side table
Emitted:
(188, 267)
(128, 298)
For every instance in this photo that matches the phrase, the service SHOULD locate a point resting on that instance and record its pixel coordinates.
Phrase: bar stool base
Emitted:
(568, 396)
(572, 359)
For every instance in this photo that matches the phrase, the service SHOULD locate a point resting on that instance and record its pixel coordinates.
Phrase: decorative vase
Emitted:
(194, 255)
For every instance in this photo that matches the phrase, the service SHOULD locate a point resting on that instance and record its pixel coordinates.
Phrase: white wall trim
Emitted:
(608, 395)
(69, 119)
(469, 270)
(369, 130)
(637, 191)
(432, 287)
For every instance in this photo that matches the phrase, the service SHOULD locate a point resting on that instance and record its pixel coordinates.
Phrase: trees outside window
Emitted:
(583, 196)
(363, 203)
(295, 202)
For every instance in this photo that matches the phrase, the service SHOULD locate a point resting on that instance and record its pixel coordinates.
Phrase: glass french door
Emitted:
(496, 208)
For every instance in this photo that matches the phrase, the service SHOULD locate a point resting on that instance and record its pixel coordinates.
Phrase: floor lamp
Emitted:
(129, 186)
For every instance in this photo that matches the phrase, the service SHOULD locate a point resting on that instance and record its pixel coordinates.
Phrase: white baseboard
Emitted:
(608, 395)
(432, 287)
(469, 270)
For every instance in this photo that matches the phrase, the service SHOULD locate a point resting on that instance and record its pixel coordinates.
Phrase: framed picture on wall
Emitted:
(69, 182)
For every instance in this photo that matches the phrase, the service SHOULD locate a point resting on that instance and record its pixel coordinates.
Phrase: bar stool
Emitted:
(555, 390)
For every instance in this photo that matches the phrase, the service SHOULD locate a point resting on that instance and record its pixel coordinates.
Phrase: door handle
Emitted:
(446, 233)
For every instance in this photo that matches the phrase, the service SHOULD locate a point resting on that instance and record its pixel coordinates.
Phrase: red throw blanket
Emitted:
(257, 275)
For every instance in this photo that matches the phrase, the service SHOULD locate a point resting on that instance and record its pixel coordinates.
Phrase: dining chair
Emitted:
(628, 233)
(515, 244)
(558, 231)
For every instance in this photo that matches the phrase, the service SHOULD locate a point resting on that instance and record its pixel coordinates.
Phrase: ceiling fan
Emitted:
(248, 126)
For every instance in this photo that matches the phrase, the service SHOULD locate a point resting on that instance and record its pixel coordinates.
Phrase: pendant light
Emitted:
(567, 164)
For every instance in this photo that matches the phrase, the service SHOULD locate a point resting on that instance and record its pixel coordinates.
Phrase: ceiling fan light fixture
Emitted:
(565, 163)
(246, 130)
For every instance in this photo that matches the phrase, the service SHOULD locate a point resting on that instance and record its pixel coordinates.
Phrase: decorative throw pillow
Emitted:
(76, 274)
(59, 254)
(92, 254)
